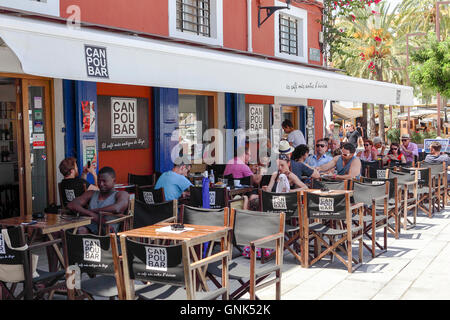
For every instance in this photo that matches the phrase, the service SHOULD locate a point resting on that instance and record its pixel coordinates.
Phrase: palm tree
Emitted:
(372, 49)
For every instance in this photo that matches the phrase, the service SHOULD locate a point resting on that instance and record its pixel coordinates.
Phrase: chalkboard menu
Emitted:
(122, 123)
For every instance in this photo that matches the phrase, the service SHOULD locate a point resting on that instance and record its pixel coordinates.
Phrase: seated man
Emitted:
(175, 182)
(436, 156)
(238, 168)
(72, 185)
(320, 157)
(107, 199)
(347, 165)
(298, 165)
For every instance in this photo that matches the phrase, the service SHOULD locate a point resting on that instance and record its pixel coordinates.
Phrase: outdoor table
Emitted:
(193, 238)
(240, 191)
(47, 225)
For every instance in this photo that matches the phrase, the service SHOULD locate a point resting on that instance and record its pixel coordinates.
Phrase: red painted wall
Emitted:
(149, 16)
(137, 161)
(263, 37)
(235, 24)
(314, 28)
(250, 98)
(318, 117)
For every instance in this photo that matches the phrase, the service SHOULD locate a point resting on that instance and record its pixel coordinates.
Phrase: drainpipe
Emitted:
(249, 26)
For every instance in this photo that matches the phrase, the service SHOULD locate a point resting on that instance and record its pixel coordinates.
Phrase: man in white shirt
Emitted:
(295, 137)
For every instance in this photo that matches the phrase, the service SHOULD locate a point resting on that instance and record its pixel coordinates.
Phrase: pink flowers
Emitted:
(353, 17)
(377, 39)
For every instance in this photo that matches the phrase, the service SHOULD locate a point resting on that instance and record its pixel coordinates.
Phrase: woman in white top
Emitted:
(369, 153)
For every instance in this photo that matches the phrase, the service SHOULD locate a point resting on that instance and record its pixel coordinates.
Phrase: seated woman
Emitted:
(394, 154)
(369, 153)
(252, 202)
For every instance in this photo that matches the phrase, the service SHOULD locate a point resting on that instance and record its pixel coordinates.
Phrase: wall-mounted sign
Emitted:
(96, 62)
(256, 117)
(123, 118)
(89, 152)
(123, 123)
(39, 141)
(38, 126)
(314, 54)
(443, 142)
(310, 130)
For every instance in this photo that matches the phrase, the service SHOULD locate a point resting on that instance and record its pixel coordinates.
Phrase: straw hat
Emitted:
(285, 147)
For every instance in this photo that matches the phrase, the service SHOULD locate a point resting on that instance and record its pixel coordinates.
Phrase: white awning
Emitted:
(57, 51)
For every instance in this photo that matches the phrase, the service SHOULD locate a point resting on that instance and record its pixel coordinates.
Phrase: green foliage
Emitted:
(431, 66)
(393, 135)
(417, 137)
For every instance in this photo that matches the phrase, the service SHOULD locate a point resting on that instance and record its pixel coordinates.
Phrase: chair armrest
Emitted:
(235, 200)
(380, 198)
(272, 237)
(44, 244)
(168, 220)
(118, 220)
(356, 206)
(104, 213)
(409, 183)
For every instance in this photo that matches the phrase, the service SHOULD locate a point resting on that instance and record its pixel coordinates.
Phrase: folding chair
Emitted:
(148, 214)
(246, 181)
(258, 230)
(92, 255)
(173, 278)
(149, 194)
(265, 180)
(141, 180)
(439, 183)
(424, 189)
(19, 266)
(375, 200)
(334, 207)
(290, 204)
(370, 167)
(69, 190)
(218, 197)
(112, 222)
(393, 207)
(330, 184)
(408, 184)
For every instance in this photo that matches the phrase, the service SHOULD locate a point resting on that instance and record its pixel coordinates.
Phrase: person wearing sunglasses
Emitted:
(346, 166)
(320, 157)
(369, 153)
(408, 148)
(394, 154)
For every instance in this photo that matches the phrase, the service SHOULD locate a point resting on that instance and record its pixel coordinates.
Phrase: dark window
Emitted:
(288, 35)
(193, 16)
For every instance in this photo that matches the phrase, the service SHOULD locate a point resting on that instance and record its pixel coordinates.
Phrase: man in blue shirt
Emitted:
(175, 182)
(321, 157)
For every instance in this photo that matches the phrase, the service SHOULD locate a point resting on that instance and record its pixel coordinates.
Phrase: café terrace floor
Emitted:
(416, 266)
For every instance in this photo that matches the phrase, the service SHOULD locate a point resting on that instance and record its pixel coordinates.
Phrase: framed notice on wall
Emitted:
(123, 123)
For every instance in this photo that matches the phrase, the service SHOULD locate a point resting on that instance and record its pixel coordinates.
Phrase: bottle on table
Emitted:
(211, 177)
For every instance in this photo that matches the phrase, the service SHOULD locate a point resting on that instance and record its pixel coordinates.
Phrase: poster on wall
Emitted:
(38, 141)
(123, 123)
(89, 152)
(310, 127)
(89, 120)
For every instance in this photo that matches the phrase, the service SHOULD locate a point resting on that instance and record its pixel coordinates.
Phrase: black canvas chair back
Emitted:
(91, 253)
(367, 166)
(331, 206)
(157, 264)
(402, 177)
(244, 181)
(217, 197)
(436, 168)
(329, 184)
(423, 174)
(150, 195)
(265, 180)
(141, 180)
(149, 214)
(392, 184)
(203, 217)
(9, 256)
(70, 189)
(280, 202)
(365, 192)
(253, 225)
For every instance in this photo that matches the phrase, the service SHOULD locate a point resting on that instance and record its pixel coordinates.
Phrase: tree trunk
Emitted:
(364, 114)
(381, 132)
(372, 121)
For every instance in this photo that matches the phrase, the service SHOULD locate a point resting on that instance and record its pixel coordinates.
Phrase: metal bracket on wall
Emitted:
(270, 11)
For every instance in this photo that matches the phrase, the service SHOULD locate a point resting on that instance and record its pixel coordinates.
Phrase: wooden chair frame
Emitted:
(191, 268)
(126, 218)
(405, 195)
(332, 247)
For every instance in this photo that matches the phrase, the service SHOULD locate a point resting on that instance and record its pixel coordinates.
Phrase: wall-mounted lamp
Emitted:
(270, 11)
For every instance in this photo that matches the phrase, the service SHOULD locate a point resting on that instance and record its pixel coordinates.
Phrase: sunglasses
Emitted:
(394, 149)
(320, 145)
(405, 139)
(366, 145)
(346, 154)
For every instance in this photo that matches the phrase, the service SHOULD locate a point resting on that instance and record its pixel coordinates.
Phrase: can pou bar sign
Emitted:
(123, 118)
(96, 62)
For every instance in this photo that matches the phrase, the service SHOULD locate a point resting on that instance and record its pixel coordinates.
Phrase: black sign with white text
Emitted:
(96, 62)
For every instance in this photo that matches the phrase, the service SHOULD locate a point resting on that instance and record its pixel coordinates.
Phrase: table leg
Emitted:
(57, 251)
(199, 270)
